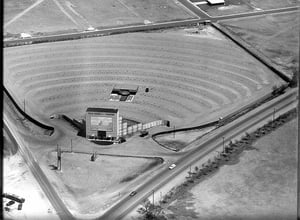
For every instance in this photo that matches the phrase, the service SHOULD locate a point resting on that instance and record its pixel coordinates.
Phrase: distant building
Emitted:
(215, 2)
(102, 124)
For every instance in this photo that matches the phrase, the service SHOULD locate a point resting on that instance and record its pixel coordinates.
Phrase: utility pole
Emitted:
(24, 108)
(153, 197)
(223, 146)
(58, 158)
(274, 110)
(71, 147)
(219, 155)
(174, 132)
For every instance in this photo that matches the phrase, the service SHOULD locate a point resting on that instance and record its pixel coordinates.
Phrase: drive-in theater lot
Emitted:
(188, 75)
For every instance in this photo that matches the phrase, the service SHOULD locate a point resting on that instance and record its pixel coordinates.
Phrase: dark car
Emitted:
(20, 206)
(132, 193)
(11, 202)
(143, 133)
(121, 140)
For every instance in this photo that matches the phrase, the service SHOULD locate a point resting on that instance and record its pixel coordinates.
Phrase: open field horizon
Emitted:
(275, 35)
(40, 17)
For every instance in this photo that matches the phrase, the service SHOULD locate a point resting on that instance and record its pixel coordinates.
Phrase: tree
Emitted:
(151, 211)
(294, 81)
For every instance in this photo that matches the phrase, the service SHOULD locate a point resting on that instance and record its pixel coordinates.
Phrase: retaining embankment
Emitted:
(49, 129)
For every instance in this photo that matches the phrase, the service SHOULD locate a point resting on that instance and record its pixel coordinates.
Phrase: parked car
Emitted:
(143, 133)
(121, 140)
(11, 202)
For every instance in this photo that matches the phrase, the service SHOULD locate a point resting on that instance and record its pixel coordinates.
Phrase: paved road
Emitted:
(255, 13)
(203, 17)
(200, 149)
(39, 175)
(201, 14)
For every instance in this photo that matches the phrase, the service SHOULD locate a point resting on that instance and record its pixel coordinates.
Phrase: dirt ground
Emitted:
(18, 180)
(243, 6)
(90, 183)
(41, 17)
(179, 140)
(262, 185)
(276, 36)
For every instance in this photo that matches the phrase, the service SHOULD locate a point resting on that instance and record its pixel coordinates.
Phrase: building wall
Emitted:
(94, 117)
(125, 130)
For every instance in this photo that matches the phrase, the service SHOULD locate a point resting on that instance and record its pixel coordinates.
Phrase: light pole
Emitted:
(71, 147)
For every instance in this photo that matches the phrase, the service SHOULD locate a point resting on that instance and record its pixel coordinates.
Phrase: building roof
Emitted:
(215, 1)
(111, 110)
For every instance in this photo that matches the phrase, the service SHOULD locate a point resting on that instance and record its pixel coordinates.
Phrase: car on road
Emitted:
(172, 166)
(132, 193)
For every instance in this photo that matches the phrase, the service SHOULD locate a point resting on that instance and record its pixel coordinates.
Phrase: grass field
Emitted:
(242, 6)
(42, 17)
(276, 36)
(262, 185)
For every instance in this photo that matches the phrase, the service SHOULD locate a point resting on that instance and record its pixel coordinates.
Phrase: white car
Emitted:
(172, 166)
